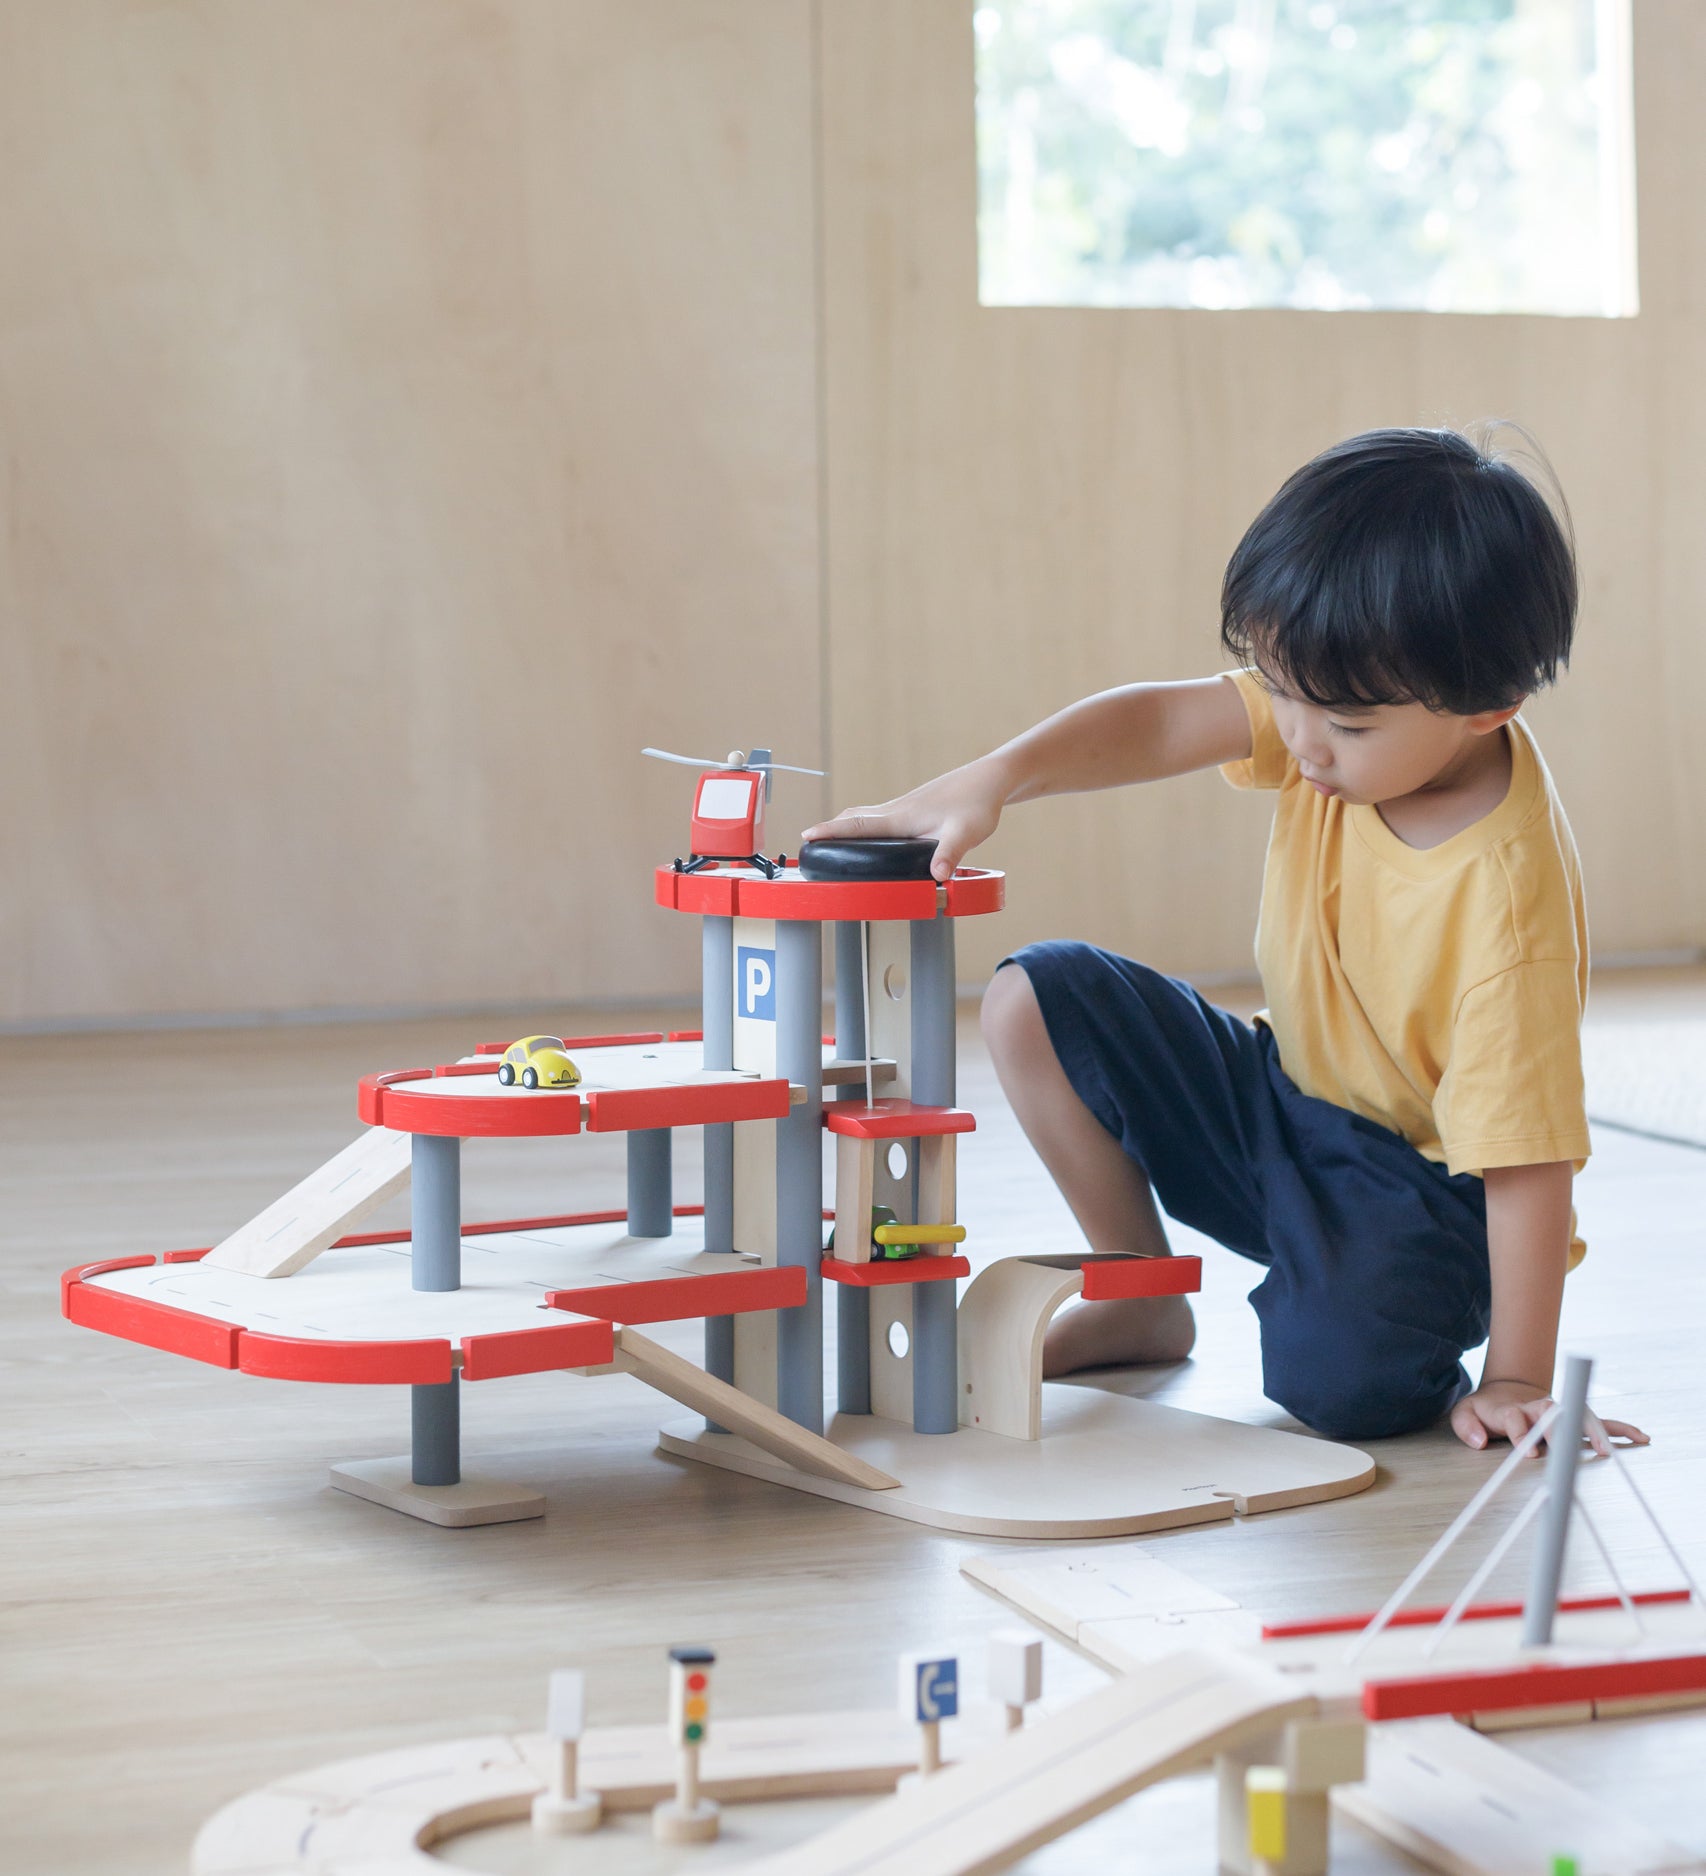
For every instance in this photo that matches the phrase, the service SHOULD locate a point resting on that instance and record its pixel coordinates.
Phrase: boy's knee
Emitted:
(1347, 1388)
(1012, 1018)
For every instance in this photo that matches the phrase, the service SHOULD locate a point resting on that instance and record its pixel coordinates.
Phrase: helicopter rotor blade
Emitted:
(687, 762)
(788, 768)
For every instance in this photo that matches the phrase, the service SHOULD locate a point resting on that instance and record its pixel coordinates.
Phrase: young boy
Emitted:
(1396, 1136)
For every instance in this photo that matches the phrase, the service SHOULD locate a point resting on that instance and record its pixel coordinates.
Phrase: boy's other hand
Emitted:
(1507, 1409)
(958, 810)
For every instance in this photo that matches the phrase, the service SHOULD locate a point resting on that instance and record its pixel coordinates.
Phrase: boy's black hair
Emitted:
(1404, 566)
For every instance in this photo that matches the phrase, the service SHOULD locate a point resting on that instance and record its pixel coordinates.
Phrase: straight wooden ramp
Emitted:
(320, 1209)
(1054, 1774)
(775, 1433)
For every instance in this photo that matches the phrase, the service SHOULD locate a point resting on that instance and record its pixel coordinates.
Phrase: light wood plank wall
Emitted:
(1026, 506)
(407, 409)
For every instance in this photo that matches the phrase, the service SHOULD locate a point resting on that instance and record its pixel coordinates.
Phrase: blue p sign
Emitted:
(755, 973)
(934, 1685)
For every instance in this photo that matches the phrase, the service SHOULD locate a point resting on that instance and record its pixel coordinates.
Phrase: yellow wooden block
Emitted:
(1265, 1791)
(920, 1234)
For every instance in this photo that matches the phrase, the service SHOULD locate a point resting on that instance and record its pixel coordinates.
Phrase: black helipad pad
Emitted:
(867, 859)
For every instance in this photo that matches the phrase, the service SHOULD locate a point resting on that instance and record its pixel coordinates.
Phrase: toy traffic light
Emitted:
(690, 1695)
(688, 1817)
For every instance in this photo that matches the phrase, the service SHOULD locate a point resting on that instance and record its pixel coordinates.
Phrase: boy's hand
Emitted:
(1507, 1409)
(959, 810)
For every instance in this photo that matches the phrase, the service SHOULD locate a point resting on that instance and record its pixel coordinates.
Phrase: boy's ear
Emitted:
(1485, 720)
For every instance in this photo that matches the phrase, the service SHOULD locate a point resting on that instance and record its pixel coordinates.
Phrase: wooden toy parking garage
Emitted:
(941, 1412)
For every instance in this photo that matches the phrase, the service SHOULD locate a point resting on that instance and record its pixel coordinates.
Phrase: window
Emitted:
(1463, 156)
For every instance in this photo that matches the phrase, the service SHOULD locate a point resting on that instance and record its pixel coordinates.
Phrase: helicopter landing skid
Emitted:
(699, 861)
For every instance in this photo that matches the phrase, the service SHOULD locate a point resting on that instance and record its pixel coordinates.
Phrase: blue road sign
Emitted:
(936, 1689)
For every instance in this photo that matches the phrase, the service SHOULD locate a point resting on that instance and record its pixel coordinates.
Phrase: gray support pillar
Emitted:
(651, 1185)
(717, 1020)
(935, 1352)
(935, 1358)
(435, 1213)
(850, 1001)
(1563, 1456)
(933, 1011)
(435, 1451)
(852, 1349)
(799, 1168)
(720, 1355)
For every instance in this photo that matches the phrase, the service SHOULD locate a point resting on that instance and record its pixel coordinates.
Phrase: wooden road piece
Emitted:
(1466, 1806)
(1039, 1783)
(1066, 1590)
(1117, 1604)
(777, 1435)
(1107, 1466)
(318, 1210)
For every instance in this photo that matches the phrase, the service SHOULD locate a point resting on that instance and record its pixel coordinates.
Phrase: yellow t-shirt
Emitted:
(1438, 991)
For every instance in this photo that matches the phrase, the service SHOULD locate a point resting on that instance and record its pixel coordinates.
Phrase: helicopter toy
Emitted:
(728, 809)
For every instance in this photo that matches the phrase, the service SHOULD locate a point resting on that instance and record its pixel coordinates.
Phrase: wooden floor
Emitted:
(189, 1611)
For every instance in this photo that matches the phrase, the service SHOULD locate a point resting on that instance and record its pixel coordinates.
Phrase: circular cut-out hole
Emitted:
(899, 1340)
(896, 1160)
(894, 982)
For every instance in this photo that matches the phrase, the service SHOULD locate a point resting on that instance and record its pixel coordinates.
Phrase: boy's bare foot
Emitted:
(1120, 1333)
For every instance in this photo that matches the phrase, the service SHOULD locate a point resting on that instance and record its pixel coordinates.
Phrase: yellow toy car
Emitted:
(538, 1062)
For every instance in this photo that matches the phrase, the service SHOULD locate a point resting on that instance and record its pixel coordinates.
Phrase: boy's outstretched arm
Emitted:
(1138, 733)
(1528, 1247)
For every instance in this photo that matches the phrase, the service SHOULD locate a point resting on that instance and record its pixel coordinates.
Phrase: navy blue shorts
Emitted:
(1376, 1257)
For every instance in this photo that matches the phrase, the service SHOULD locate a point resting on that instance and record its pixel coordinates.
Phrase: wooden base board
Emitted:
(1468, 1807)
(473, 1501)
(1106, 1466)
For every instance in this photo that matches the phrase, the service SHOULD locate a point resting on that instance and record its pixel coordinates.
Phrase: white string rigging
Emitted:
(1663, 1535)
(865, 1003)
(1490, 1562)
(1453, 1532)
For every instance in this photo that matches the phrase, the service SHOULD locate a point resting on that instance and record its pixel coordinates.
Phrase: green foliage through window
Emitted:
(1469, 156)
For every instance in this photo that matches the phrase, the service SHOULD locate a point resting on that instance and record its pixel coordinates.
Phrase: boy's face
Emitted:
(1366, 755)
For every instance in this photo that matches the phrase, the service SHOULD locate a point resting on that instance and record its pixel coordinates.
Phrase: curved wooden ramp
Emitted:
(1055, 1774)
(1005, 1313)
